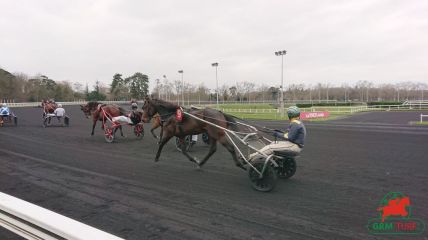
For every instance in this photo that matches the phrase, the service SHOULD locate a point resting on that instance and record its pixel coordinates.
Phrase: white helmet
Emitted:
(60, 105)
(4, 105)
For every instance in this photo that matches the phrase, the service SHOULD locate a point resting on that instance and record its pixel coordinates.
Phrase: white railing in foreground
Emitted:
(33, 222)
(422, 116)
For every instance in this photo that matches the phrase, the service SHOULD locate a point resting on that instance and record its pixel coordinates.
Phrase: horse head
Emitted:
(149, 109)
(86, 110)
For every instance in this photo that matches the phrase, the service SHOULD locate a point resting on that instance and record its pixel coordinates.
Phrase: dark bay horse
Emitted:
(191, 126)
(97, 111)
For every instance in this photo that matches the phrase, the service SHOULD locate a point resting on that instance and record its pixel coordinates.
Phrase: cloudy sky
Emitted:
(326, 41)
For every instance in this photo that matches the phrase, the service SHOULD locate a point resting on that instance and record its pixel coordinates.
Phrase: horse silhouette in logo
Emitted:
(395, 207)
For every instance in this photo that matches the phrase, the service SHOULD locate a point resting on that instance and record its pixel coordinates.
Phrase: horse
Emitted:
(97, 111)
(48, 108)
(191, 126)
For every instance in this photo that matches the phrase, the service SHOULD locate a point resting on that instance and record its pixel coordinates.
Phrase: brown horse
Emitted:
(97, 111)
(191, 126)
(48, 107)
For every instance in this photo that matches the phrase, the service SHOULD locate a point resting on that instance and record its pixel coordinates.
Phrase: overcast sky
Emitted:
(326, 41)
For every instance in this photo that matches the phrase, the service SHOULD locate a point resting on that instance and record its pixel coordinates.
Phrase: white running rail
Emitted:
(33, 222)
(36, 104)
(422, 116)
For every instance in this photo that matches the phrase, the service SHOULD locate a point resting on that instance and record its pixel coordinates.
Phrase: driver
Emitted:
(292, 141)
(135, 115)
(4, 112)
(59, 112)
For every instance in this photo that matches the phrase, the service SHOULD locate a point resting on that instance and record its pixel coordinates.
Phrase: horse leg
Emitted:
(153, 133)
(213, 149)
(161, 134)
(183, 150)
(224, 141)
(155, 125)
(93, 126)
(161, 144)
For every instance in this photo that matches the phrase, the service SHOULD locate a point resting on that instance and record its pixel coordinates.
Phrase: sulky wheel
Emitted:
(45, 122)
(187, 141)
(139, 131)
(66, 121)
(287, 167)
(205, 138)
(265, 183)
(109, 134)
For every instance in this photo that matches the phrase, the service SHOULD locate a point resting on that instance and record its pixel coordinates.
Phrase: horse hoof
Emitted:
(157, 160)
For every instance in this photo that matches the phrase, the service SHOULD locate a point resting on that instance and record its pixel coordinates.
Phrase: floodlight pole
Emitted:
(216, 80)
(281, 105)
(182, 85)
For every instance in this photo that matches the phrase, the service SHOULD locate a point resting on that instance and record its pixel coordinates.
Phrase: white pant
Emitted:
(280, 146)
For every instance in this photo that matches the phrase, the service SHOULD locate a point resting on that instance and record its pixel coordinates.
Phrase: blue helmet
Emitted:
(293, 112)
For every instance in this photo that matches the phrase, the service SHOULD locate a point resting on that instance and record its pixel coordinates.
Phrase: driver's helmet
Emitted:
(134, 106)
(293, 112)
(4, 105)
(60, 105)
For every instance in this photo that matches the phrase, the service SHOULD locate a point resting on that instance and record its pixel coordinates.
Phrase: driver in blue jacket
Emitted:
(292, 141)
(4, 112)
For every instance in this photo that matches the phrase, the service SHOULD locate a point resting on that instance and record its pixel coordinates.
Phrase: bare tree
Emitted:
(248, 88)
(177, 88)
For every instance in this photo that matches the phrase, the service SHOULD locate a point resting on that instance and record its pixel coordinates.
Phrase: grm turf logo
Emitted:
(395, 217)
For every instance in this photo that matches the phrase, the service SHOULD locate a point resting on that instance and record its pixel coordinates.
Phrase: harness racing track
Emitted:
(344, 171)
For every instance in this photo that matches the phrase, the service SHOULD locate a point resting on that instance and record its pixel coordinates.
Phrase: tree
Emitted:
(248, 87)
(233, 92)
(96, 95)
(138, 85)
(240, 91)
(118, 87)
(7, 85)
(177, 87)
(223, 91)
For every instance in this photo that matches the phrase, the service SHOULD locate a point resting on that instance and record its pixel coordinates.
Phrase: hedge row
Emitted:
(384, 103)
(307, 105)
